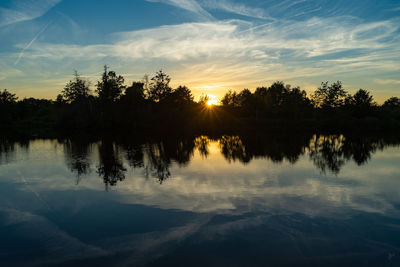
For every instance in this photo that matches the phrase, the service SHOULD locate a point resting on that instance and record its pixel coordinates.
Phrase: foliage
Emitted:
(393, 102)
(153, 103)
(7, 98)
(182, 95)
(75, 90)
(329, 96)
(110, 87)
(159, 88)
(203, 99)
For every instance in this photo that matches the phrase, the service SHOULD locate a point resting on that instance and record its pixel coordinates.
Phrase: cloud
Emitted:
(234, 54)
(236, 8)
(189, 5)
(308, 39)
(22, 10)
(387, 81)
(239, 42)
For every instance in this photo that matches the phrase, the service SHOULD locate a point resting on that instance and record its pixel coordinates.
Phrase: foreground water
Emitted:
(197, 201)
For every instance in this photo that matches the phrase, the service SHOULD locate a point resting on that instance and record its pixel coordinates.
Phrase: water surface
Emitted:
(200, 201)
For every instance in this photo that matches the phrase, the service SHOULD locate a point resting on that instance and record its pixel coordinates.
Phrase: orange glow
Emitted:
(212, 101)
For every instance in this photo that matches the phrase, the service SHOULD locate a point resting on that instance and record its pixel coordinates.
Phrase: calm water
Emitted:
(200, 201)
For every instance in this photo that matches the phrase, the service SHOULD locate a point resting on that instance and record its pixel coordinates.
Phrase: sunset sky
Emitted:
(209, 45)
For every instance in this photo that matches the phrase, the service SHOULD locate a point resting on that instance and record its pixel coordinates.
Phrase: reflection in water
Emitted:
(329, 153)
(77, 157)
(202, 143)
(110, 167)
(6, 150)
(8, 146)
(232, 200)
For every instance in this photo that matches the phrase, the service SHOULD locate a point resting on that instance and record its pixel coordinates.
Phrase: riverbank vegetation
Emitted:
(153, 105)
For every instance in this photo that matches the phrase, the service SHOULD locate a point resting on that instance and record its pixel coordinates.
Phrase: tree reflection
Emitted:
(110, 167)
(328, 153)
(202, 144)
(233, 149)
(331, 152)
(7, 148)
(134, 155)
(77, 157)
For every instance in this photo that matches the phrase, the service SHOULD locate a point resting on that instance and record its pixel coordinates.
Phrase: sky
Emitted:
(210, 46)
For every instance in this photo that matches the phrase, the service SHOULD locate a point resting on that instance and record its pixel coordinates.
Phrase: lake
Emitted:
(260, 200)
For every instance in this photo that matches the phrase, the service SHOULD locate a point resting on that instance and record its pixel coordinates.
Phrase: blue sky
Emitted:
(209, 45)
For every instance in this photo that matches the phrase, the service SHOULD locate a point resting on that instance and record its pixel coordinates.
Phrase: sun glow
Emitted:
(212, 101)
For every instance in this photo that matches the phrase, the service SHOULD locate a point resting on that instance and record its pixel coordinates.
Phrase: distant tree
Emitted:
(76, 89)
(329, 96)
(110, 87)
(230, 99)
(261, 93)
(60, 99)
(361, 103)
(7, 107)
(203, 99)
(260, 99)
(296, 102)
(276, 93)
(393, 102)
(7, 98)
(182, 95)
(362, 98)
(135, 93)
(245, 98)
(159, 88)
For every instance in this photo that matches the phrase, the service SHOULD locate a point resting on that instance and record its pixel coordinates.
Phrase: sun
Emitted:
(212, 101)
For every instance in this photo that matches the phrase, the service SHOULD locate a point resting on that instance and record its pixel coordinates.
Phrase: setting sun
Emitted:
(212, 101)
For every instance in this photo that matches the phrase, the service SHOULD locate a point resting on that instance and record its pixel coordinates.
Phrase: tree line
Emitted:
(153, 104)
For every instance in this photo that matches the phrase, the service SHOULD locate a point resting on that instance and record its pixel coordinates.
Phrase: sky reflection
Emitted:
(105, 203)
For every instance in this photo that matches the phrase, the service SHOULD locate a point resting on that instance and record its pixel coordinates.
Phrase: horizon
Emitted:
(209, 46)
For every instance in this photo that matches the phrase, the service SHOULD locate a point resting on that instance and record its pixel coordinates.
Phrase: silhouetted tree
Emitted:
(7, 107)
(329, 96)
(76, 89)
(393, 102)
(134, 94)
(260, 100)
(203, 99)
(7, 98)
(361, 103)
(230, 99)
(110, 87)
(296, 102)
(276, 94)
(159, 88)
(182, 96)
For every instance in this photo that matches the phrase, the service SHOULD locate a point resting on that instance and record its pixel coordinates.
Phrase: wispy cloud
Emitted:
(232, 54)
(21, 54)
(189, 5)
(236, 8)
(22, 10)
(268, 43)
(387, 81)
